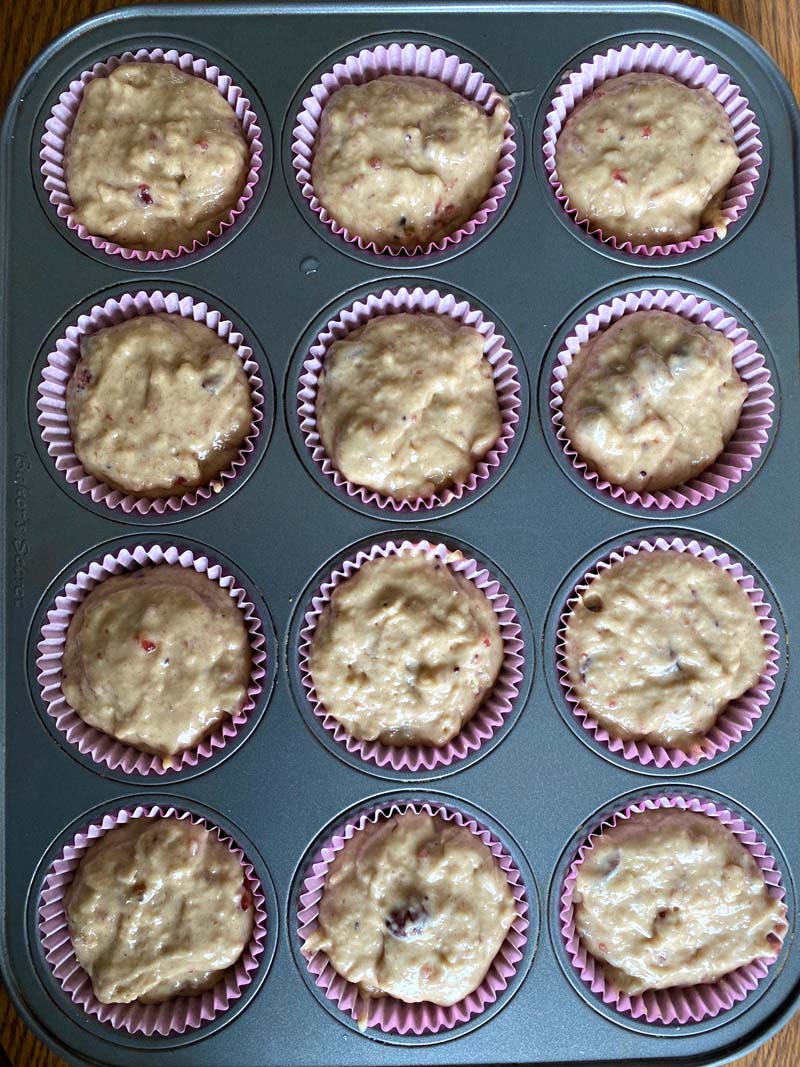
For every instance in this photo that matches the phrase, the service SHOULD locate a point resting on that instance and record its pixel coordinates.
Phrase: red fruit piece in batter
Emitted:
(618, 176)
(407, 921)
(147, 644)
(144, 195)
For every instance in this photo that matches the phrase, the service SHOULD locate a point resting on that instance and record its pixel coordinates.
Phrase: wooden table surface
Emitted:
(29, 25)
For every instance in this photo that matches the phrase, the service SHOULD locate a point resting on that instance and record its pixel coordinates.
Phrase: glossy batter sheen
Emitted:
(407, 404)
(414, 907)
(406, 651)
(404, 160)
(659, 644)
(157, 908)
(156, 158)
(157, 658)
(648, 159)
(651, 401)
(671, 898)
(157, 405)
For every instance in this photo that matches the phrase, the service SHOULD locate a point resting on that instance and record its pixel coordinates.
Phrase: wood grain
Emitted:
(31, 25)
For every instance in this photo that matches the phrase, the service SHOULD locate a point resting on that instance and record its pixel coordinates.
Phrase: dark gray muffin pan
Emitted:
(279, 275)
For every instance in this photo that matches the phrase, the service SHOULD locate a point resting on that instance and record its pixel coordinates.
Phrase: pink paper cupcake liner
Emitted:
(59, 125)
(691, 70)
(52, 406)
(400, 59)
(173, 1016)
(417, 300)
(495, 709)
(680, 1004)
(90, 741)
(755, 420)
(387, 1013)
(737, 719)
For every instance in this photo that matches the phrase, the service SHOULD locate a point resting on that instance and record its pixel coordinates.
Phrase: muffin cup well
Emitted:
(388, 1013)
(691, 70)
(755, 419)
(406, 59)
(62, 117)
(174, 1016)
(738, 717)
(417, 300)
(101, 747)
(61, 362)
(498, 704)
(680, 1004)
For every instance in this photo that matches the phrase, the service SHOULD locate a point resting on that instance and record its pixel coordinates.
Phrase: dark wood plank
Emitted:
(31, 26)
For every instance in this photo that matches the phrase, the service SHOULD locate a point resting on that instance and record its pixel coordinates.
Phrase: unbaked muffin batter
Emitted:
(414, 907)
(647, 159)
(157, 658)
(158, 405)
(157, 908)
(671, 898)
(659, 644)
(405, 651)
(651, 401)
(404, 160)
(407, 404)
(156, 158)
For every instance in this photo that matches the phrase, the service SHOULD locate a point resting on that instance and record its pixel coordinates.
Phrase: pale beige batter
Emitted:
(156, 158)
(404, 160)
(414, 907)
(659, 644)
(647, 159)
(157, 908)
(406, 651)
(157, 658)
(407, 404)
(158, 405)
(671, 898)
(651, 401)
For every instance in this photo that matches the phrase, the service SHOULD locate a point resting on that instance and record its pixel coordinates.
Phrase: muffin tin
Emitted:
(284, 786)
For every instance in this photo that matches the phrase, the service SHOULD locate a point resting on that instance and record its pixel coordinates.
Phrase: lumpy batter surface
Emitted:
(414, 907)
(671, 898)
(157, 908)
(157, 658)
(407, 404)
(158, 405)
(406, 651)
(156, 158)
(404, 160)
(659, 644)
(651, 401)
(647, 159)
